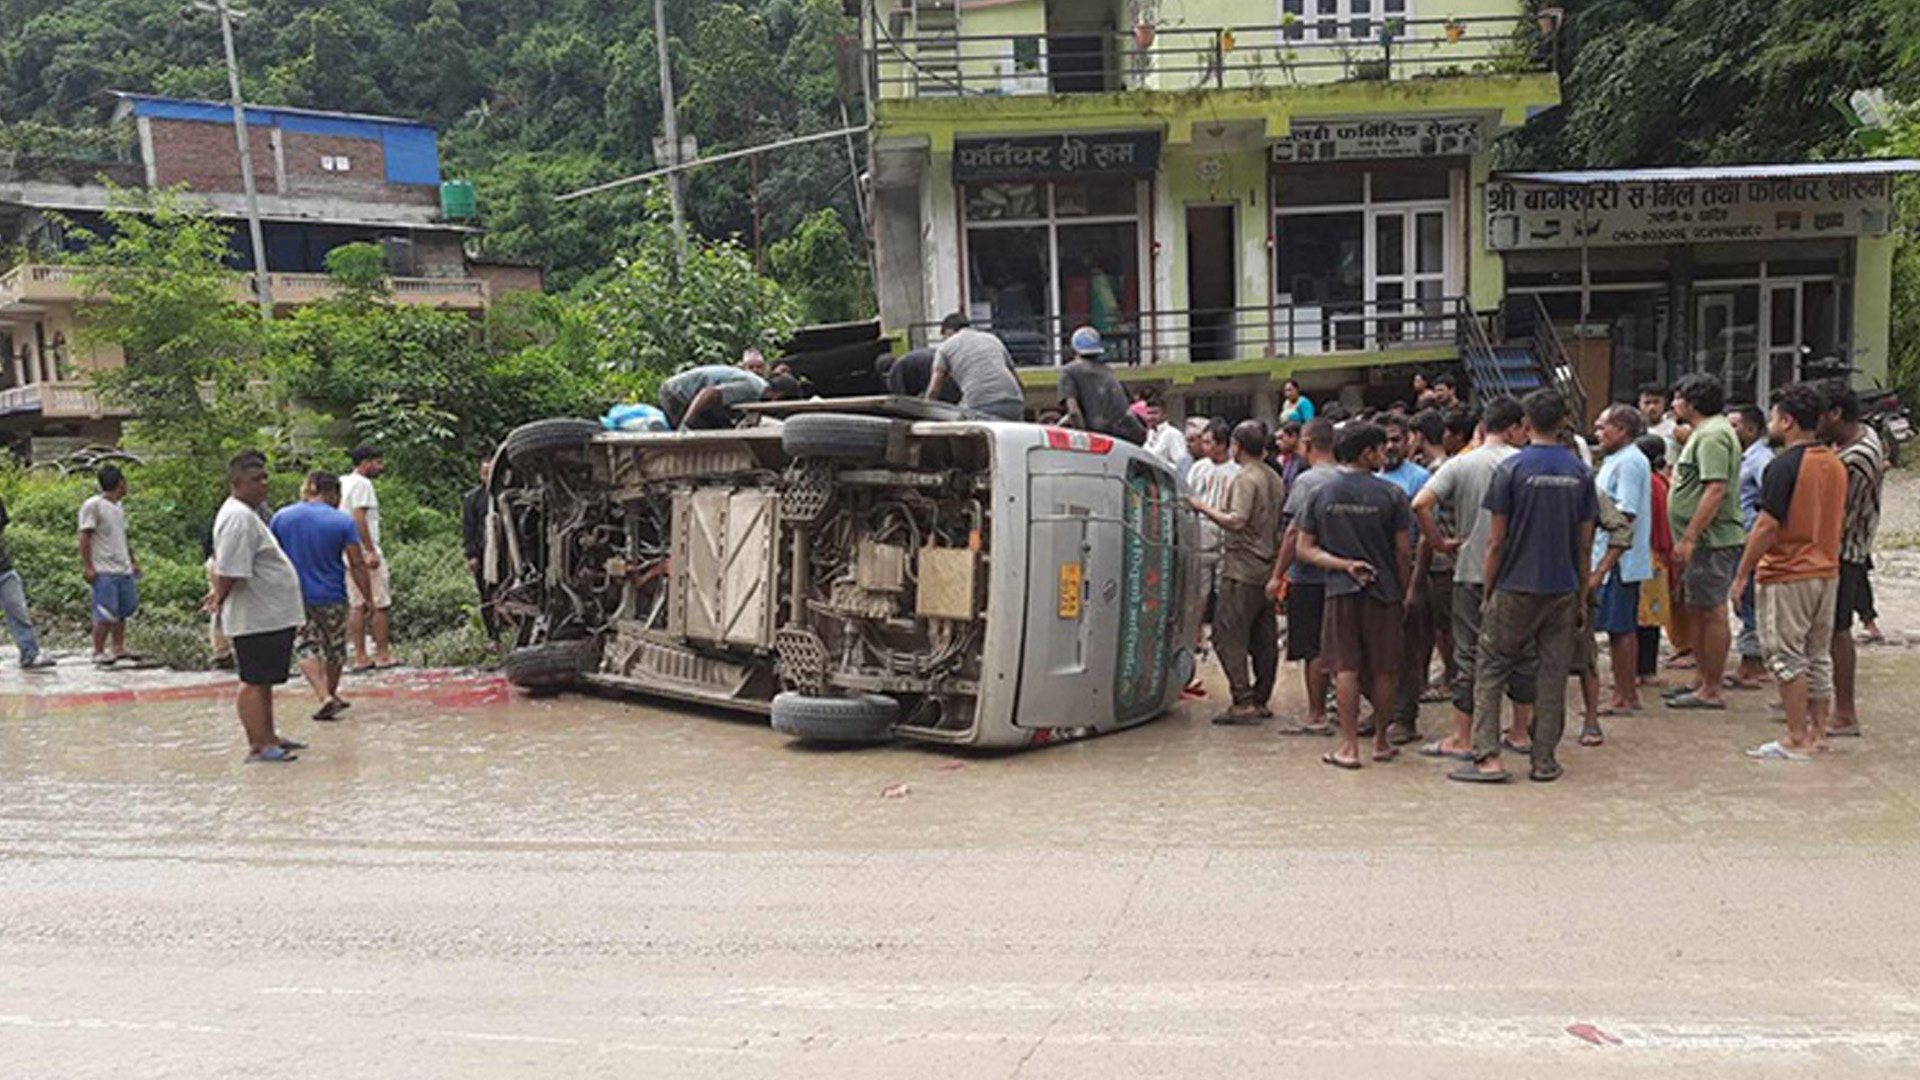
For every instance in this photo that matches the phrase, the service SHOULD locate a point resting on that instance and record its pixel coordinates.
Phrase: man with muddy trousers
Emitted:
(1543, 508)
(1244, 632)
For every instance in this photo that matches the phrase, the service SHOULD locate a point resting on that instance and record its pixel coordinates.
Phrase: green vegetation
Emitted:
(435, 389)
(532, 99)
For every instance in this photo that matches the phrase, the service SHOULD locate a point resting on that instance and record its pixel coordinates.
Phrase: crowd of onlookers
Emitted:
(1518, 548)
(302, 586)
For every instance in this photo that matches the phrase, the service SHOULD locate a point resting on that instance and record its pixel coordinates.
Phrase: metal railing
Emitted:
(57, 282)
(1310, 49)
(1209, 335)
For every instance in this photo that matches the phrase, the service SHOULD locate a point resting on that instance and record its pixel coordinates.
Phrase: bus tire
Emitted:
(838, 437)
(867, 718)
(552, 665)
(548, 436)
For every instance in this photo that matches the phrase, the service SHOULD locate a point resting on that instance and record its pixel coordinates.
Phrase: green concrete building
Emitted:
(1235, 193)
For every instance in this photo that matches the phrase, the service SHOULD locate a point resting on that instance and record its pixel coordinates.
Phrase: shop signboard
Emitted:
(1523, 216)
(1041, 157)
(1378, 139)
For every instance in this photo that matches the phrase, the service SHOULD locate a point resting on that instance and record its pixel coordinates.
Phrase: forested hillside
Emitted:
(533, 99)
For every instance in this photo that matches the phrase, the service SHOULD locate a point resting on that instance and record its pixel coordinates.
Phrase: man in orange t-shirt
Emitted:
(1794, 552)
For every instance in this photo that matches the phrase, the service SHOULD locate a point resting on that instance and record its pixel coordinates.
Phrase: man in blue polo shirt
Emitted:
(323, 544)
(1543, 510)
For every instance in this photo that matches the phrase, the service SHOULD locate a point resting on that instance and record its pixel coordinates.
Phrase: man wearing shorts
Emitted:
(323, 544)
(1453, 519)
(371, 608)
(1358, 528)
(1866, 464)
(257, 594)
(107, 563)
(1626, 477)
(1543, 507)
(1303, 585)
(1704, 512)
(1794, 555)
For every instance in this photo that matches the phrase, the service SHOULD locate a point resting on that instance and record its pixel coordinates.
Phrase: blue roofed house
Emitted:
(324, 179)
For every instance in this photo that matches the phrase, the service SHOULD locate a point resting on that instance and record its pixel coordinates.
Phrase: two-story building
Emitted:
(1235, 192)
(323, 179)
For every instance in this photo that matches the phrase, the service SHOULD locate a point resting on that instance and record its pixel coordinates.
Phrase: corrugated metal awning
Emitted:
(1711, 173)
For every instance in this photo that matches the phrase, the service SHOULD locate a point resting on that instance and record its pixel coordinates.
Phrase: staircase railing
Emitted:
(1553, 356)
(1476, 352)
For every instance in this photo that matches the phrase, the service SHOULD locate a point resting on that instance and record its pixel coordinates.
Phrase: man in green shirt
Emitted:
(1704, 513)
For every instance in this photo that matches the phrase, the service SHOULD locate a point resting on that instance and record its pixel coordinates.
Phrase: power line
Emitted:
(731, 155)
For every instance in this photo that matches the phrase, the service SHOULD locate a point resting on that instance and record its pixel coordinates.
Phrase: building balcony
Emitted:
(936, 61)
(30, 287)
(1181, 346)
(62, 400)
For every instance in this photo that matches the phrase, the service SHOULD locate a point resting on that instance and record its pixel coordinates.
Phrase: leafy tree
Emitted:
(652, 317)
(818, 265)
(160, 292)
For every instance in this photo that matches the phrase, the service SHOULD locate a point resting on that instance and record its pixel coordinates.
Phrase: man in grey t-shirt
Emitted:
(111, 571)
(980, 365)
(1458, 489)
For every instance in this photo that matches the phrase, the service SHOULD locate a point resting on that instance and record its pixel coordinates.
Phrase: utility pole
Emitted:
(263, 290)
(674, 192)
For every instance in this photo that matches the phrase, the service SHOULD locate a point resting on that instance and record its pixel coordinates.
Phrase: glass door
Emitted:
(1727, 338)
(1409, 274)
(1786, 334)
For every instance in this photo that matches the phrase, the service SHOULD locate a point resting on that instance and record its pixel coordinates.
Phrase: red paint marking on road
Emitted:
(1592, 1034)
(442, 689)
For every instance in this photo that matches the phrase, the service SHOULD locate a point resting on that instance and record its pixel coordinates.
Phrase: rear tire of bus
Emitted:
(860, 439)
(548, 436)
(867, 718)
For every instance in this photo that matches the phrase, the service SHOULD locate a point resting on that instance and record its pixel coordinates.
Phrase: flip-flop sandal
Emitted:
(1401, 735)
(360, 669)
(1328, 758)
(1852, 731)
(1683, 663)
(1228, 719)
(1468, 774)
(1593, 736)
(1512, 747)
(1735, 682)
(1690, 701)
(1389, 754)
(272, 755)
(289, 745)
(389, 666)
(1365, 731)
(1775, 751)
(326, 712)
(1433, 695)
(1437, 749)
(1545, 776)
(1265, 713)
(1616, 710)
(1304, 729)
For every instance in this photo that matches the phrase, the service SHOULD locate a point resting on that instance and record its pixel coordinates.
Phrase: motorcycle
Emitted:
(1880, 408)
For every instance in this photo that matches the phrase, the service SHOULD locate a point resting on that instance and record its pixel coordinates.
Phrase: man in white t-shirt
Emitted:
(257, 594)
(1209, 480)
(358, 499)
(107, 563)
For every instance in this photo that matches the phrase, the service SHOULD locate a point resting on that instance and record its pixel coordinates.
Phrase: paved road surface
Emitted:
(460, 884)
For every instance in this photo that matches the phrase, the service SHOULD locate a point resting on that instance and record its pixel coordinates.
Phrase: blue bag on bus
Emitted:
(634, 418)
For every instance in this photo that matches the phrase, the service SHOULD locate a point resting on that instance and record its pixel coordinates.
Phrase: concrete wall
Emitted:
(898, 255)
(1872, 306)
(285, 163)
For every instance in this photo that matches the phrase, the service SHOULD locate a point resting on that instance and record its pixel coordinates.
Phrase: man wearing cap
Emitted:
(1091, 397)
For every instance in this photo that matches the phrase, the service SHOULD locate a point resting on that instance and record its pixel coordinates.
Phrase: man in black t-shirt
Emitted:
(1090, 396)
(1358, 528)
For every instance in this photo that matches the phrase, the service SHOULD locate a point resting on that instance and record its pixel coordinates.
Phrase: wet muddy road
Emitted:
(460, 883)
